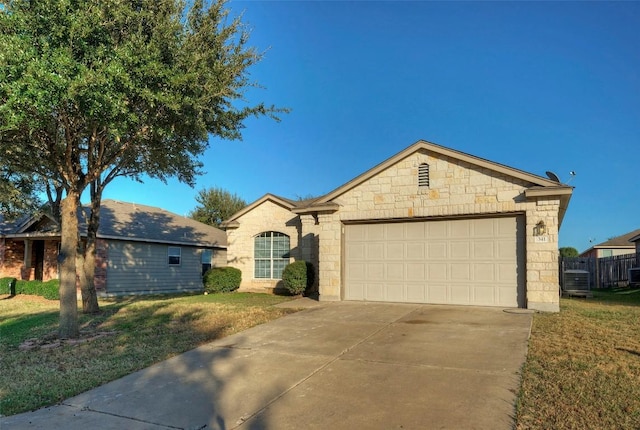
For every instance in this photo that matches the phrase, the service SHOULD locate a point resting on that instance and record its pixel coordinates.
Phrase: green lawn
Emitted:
(583, 366)
(126, 336)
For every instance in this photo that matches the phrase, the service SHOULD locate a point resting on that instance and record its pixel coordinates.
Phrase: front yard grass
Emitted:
(128, 335)
(583, 366)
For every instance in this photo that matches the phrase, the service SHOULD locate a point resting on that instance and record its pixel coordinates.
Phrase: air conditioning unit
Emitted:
(634, 277)
(576, 283)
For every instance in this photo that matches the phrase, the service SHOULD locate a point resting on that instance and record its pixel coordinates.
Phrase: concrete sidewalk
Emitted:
(340, 366)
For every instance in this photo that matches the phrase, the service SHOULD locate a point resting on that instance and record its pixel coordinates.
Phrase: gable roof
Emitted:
(132, 221)
(423, 145)
(540, 186)
(623, 241)
(129, 221)
(280, 201)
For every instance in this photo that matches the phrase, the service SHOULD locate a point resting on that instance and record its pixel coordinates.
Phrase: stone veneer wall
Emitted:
(456, 188)
(268, 216)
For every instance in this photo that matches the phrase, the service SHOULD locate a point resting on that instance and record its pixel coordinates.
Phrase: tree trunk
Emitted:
(87, 273)
(67, 258)
(88, 257)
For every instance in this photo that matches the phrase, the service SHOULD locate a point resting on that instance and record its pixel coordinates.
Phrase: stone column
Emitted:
(329, 252)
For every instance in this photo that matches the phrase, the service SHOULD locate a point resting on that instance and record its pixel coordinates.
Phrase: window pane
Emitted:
(206, 256)
(174, 253)
(281, 246)
(262, 248)
(278, 268)
(263, 269)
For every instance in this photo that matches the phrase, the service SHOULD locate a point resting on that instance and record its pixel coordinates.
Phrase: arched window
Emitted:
(423, 175)
(271, 254)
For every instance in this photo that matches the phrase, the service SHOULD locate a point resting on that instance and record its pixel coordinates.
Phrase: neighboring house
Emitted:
(619, 245)
(636, 239)
(140, 249)
(428, 225)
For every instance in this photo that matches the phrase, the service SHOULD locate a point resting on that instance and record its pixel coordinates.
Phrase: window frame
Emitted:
(209, 264)
(170, 255)
(275, 264)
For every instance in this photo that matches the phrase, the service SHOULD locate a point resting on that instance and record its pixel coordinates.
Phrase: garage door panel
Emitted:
(460, 294)
(416, 293)
(395, 292)
(395, 251)
(438, 271)
(436, 250)
(375, 232)
(460, 272)
(415, 230)
(484, 228)
(355, 291)
(459, 250)
(437, 294)
(395, 231)
(483, 249)
(375, 292)
(484, 295)
(395, 272)
(484, 272)
(374, 272)
(415, 251)
(416, 271)
(465, 261)
(355, 251)
(375, 251)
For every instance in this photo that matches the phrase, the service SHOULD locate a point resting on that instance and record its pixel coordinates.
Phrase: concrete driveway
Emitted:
(334, 366)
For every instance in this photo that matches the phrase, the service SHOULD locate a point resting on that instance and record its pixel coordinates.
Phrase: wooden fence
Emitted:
(604, 272)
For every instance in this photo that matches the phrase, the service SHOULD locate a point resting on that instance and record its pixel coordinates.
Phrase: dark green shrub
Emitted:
(49, 289)
(222, 279)
(298, 276)
(8, 286)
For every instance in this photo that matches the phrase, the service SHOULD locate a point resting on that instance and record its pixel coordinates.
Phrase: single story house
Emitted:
(619, 245)
(428, 225)
(139, 250)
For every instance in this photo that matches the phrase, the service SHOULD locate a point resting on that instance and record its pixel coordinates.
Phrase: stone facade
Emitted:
(459, 186)
(264, 217)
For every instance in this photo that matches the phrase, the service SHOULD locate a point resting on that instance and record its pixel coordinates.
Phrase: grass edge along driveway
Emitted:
(583, 365)
(128, 335)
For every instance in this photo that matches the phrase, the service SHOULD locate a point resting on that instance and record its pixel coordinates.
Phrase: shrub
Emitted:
(222, 279)
(8, 286)
(49, 289)
(298, 276)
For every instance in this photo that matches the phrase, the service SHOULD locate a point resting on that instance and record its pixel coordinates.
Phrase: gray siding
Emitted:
(142, 268)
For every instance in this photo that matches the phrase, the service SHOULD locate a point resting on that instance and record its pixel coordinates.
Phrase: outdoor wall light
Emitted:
(540, 229)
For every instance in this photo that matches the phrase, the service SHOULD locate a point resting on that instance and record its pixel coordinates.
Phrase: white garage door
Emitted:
(462, 261)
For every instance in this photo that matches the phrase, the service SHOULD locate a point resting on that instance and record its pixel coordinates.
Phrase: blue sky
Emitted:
(534, 85)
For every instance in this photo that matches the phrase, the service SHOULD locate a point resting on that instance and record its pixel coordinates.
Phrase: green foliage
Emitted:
(298, 276)
(568, 251)
(222, 279)
(8, 286)
(216, 205)
(48, 290)
(91, 91)
(18, 193)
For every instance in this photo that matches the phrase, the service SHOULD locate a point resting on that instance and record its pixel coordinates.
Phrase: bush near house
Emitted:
(8, 286)
(298, 276)
(48, 290)
(222, 279)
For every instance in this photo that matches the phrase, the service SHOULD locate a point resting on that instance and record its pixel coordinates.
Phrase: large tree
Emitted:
(216, 205)
(90, 91)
